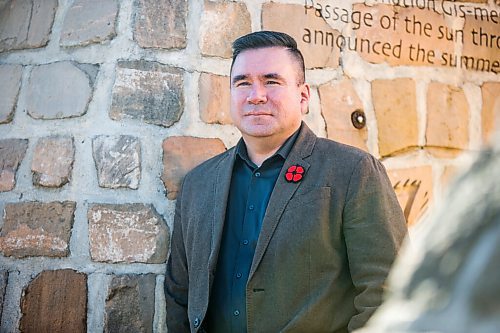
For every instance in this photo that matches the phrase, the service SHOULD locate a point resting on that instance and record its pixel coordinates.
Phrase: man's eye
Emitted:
(272, 82)
(242, 83)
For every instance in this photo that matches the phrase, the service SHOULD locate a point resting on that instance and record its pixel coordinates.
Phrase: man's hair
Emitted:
(263, 39)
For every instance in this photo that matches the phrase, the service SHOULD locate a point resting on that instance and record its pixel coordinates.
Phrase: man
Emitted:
(285, 232)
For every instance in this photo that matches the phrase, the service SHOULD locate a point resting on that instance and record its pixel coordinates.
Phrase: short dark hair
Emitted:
(263, 39)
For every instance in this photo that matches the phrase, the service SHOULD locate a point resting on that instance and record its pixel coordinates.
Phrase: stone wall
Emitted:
(105, 105)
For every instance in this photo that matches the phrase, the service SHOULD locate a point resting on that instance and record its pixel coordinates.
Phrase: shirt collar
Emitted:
(283, 151)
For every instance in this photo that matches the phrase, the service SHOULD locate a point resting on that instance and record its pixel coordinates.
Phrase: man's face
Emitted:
(266, 99)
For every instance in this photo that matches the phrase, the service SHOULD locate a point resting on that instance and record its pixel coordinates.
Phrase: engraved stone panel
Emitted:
(413, 187)
(315, 37)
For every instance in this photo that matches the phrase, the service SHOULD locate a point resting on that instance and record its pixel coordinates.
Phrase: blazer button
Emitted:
(196, 322)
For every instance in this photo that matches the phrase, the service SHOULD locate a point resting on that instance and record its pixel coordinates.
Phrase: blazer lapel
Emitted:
(282, 193)
(222, 183)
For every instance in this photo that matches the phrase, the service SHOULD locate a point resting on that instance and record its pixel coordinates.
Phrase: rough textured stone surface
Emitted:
(9, 90)
(446, 280)
(221, 23)
(447, 118)
(415, 28)
(53, 161)
(413, 187)
(26, 24)
(59, 90)
(85, 25)
(55, 301)
(338, 102)
(316, 43)
(491, 110)
(118, 161)
(181, 154)
(127, 233)
(215, 99)
(395, 105)
(4, 276)
(12, 152)
(161, 23)
(37, 229)
(130, 304)
(148, 91)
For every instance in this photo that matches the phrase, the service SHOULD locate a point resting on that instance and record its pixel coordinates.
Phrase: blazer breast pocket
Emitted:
(310, 199)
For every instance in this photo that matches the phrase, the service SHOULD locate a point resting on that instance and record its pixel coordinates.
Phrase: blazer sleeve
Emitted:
(374, 227)
(176, 277)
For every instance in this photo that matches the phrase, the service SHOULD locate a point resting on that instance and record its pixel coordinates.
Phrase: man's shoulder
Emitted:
(330, 149)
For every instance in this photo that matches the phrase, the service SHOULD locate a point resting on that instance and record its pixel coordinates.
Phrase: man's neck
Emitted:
(260, 149)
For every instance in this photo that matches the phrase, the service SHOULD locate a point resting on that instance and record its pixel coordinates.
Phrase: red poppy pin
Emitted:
(294, 174)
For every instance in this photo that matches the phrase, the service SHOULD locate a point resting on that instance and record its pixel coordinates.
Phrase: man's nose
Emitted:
(257, 95)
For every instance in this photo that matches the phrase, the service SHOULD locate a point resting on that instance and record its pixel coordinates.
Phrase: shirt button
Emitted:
(238, 275)
(245, 242)
(257, 174)
(251, 207)
(236, 313)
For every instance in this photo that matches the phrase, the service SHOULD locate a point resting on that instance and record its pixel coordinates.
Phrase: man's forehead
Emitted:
(262, 61)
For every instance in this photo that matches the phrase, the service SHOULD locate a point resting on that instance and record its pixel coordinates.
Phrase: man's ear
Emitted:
(305, 95)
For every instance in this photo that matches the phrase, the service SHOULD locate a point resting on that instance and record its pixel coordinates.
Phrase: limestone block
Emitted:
(447, 119)
(118, 161)
(161, 23)
(55, 301)
(88, 22)
(127, 233)
(490, 115)
(12, 153)
(130, 304)
(53, 161)
(59, 90)
(215, 99)
(315, 37)
(26, 24)
(395, 105)
(37, 229)
(149, 92)
(9, 90)
(339, 101)
(413, 187)
(221, 23)
(183, 153)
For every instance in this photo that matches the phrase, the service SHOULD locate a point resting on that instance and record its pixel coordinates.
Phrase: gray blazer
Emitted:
(325, 249)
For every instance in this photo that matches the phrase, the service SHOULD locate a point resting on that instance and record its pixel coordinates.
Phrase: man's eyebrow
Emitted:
(239, 78)
(273, 76)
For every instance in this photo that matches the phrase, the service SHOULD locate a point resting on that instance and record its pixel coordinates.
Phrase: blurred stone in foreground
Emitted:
(449, 280)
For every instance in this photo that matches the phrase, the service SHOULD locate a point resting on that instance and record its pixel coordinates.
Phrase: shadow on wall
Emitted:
(447, 280)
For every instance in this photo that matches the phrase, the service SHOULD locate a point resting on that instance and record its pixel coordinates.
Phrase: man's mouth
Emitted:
(258, 113)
